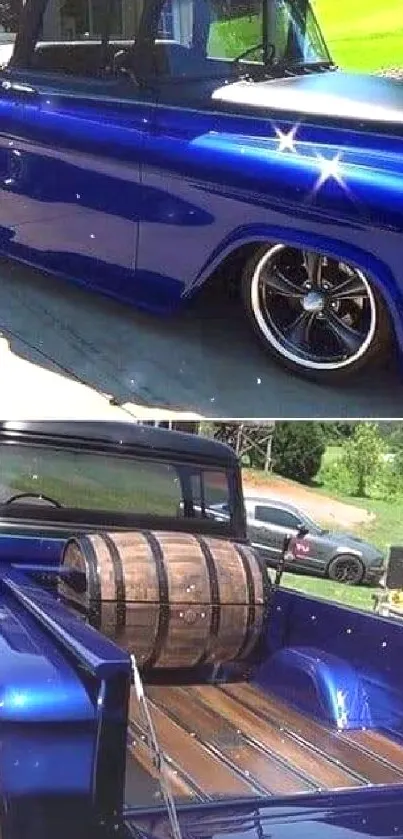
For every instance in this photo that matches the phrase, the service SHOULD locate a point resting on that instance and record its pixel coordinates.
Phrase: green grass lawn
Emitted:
(359, 597)
(362, 34)
(387, 528)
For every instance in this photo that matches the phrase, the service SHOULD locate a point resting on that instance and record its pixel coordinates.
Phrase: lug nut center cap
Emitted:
(313, 302)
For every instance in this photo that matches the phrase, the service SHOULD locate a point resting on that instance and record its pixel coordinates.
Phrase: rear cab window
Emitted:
(128, 486)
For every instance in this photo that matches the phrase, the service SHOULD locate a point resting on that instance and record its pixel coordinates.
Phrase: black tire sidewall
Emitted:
(375, 354)
(343, 557)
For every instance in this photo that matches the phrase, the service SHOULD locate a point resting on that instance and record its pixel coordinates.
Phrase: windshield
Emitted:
(289, 26)
(133, 486)
(241, 31)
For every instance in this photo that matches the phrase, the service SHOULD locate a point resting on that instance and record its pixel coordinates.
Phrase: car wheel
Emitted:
(347, 569)
(319, 316)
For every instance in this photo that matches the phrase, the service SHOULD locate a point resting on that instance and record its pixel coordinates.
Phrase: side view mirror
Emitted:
(303, 530)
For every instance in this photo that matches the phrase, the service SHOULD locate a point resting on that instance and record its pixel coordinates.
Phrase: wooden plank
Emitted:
(219, 734)
(209, 774)
(326, 741)
(323, 772)
(382, 746)
(140, 753)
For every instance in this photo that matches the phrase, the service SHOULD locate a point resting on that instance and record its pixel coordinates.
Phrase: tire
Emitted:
(349, 566)
(291, 299)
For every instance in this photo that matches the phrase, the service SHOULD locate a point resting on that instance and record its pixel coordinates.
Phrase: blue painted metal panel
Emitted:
(351, 815)
(196, 181)
(54, 669)
(351, 651)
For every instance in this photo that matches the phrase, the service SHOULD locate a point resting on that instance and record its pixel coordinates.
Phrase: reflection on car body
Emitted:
(145, 145)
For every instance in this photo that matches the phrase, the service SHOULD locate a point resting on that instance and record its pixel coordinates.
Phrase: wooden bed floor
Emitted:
(235, 741)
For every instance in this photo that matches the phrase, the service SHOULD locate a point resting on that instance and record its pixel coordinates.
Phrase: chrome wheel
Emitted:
(317, 312)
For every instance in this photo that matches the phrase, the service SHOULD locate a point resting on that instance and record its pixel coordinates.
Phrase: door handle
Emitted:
(17, 90)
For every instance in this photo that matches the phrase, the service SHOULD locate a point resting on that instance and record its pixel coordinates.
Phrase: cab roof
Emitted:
(120, 437)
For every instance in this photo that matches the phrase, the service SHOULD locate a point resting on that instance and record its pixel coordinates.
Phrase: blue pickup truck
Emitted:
(153, 682)
(151, 147)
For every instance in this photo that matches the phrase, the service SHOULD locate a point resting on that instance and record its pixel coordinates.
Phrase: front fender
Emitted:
(371, 265)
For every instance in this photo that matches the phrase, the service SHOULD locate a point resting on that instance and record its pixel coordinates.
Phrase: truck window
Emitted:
(108, 482)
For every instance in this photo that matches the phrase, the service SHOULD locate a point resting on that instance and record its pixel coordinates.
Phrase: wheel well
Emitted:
(226, 277)
(228, 272)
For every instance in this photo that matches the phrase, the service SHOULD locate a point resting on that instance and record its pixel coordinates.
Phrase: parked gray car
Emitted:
(342, 557)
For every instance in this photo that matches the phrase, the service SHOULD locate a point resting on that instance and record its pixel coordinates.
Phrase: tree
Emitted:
(251, 440)
(362, 455)
(297, 449)
(337, 432)
(392, 433)
(9, 14)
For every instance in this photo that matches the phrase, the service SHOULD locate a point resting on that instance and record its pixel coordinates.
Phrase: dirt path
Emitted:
(320, 507)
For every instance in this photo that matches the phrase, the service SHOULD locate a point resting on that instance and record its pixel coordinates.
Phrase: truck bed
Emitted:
(234, 740)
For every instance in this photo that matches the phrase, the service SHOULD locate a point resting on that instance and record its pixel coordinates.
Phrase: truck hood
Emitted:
(335, 95)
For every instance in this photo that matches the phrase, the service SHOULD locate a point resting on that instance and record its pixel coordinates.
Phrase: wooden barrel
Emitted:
(172, 599)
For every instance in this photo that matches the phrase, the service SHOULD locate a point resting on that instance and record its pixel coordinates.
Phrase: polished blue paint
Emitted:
(320, 684)
(317, 648)
(55, 669)
(38, 684)
(46, 717)
(330, 661)
(142, 194)
(22, 548)
(97, 654)
(351, 815)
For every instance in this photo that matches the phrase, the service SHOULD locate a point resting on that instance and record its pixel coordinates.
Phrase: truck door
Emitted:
(72, 145)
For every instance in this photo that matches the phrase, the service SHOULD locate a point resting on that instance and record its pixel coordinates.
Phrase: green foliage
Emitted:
(362, 456)
(254, 447)
(384, 484)
(392, 433)
(9, 14)
(336, 432)
(297, 449)
(336, 478)
(387, 483)
(207, 429)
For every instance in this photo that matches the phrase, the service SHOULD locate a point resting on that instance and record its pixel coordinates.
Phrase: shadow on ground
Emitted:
(203, 360)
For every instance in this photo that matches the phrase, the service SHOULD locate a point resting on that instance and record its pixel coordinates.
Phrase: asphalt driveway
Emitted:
(203, 361)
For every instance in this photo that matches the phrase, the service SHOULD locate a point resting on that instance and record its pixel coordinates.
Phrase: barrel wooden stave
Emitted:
(181, 599)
